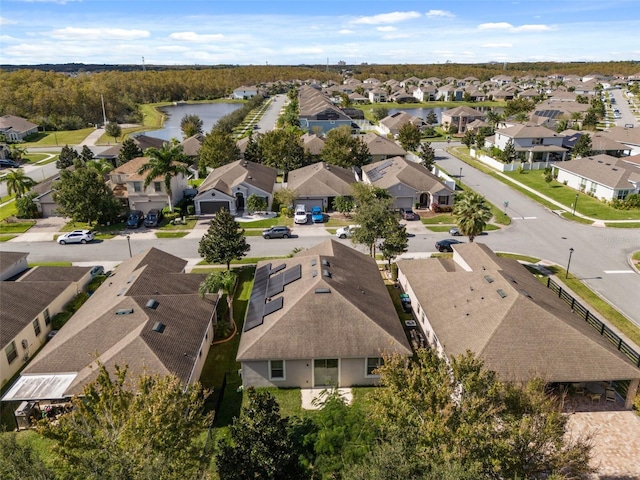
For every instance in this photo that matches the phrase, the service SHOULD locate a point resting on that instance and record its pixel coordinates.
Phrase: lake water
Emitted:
(209, 113)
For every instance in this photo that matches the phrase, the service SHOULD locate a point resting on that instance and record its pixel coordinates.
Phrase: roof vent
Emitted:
(323, 290)
(314, 262)
(152, 304)
(131, 278)
(326, 273)
(124, 311)
(314, 273)
(158, 327)
(121, 291)
(501, 293)
(325, 262)
(488, 279)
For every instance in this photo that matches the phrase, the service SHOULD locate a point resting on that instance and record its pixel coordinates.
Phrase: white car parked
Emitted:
(300, 215)
(77, 236)
(346, 232)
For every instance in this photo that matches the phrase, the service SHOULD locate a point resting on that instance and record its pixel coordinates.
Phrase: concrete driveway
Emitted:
(42, 231)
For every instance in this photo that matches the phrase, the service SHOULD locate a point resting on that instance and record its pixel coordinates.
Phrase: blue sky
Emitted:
(291, 32)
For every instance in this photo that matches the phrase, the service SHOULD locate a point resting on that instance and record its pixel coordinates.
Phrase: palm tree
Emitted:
(225, 281)
(576, 117)
(17, 182)
(165, 162)
(472, 213)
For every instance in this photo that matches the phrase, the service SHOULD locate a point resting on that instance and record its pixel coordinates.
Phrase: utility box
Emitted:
(25, 413)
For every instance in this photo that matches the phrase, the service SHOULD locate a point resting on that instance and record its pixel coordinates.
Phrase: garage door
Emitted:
(310, 202)
(404, 202)
(212, 207)
(49, 210)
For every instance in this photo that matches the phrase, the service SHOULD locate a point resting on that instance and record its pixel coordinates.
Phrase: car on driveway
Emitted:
(77, 236)
(96, 270)
(445, 245)
(345, 232)
(408, 214)
(455, 231)
(316, 215)
(276, 232)
(136, 217)
(300, 215)
(153, 218)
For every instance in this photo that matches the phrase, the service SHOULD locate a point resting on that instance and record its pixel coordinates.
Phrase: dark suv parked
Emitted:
(136, 217)
(153, 218)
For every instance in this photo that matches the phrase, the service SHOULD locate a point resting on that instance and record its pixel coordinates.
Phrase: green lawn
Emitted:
(587, 205)
(524, 258)
(114, 228)
(171, 234)
(268, 222)
(16, 227)
(444, 218)
(573, 218)
(166, 225)
(66, 137)
(244, 260)
(253, 233)
(50, 264)
(8, 210)
(6, 238)
(623, 225)
(636, 256)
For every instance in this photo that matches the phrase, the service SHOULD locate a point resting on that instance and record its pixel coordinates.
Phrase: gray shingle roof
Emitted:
(226, 177)
(356, 319)
(527, 332)
(604, 169)
(393, 171)
(321, 179)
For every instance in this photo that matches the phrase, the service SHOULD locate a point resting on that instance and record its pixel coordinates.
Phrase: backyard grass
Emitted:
(16, 227)
(196, 182)
(171, 234)
(6, 238)
(65, 137)
(586, 205)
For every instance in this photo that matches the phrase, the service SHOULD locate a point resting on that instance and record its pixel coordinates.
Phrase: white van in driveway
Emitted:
(300, 215)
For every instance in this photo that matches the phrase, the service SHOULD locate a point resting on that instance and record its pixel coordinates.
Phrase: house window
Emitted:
(47, 317)
(157, 187)
(537, 141)
(592, 188)
(137, 186)
(583, 184)
(276, 370)
(11, 352)
(622, 194)
(372, 364)
(443, 200)
(36, 327)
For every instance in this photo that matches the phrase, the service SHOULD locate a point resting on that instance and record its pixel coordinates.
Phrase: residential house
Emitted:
(322, 318)
(28, 305)
(191, 146)
(378, 95)
(381, 148)
(602, 176)
(244, 92)
(142, 141)
(312, 145)
(450, 93)
(409, 183)
(459, 117)
(318, 184)
(496, 309)
(317, 114)
(532, 143)
(128, 185)
(391, 124)
(628, 136)
(147, 316)
(230, 185)
(46, 205)
(425, 93)
(599, 143)
(15, 129)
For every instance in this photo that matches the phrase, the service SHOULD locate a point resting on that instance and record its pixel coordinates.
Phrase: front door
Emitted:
(325, 372)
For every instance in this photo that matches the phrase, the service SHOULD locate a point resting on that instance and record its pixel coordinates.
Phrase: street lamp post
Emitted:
(575, 203)
(506, 204)
(129, 243)
(460, 177)
(569, 263)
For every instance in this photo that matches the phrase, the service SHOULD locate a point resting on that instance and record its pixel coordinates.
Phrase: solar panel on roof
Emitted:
(272, 306)
(282, 266)
(276, 285)
(292, 274)
(377, 172)
(258, 295)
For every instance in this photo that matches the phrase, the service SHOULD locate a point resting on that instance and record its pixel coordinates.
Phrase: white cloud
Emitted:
(73, 33)
(6, 21)
(393, 17)
(496, 45)
(393, 36)
(345, 31)
(511, 28)
(439, 13)
(386, 29)
(196, 37)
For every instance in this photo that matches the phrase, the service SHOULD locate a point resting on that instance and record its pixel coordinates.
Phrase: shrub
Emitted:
(59, 319)
(191, 209)
(633, 200)
(76, 302)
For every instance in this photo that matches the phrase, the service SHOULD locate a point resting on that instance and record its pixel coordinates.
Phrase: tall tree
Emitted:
(190, 125)
(26, 207)
(113, 130)
(261, 444)
(373, 215)
(83, 196)
(409, 136)
(395, 242)
(582, 147)
(344, 150)
(497, 429)
(256, 203)
(116, 432)
(17, 153)
(253, 152)
(218, 148)
(86, 154)
(379, 113)
(286, 197)
(225, 281)
(472, 213)
(224, 240)
(166, 162)
(17, 182)
(67, 156)
(427, 155)
(468, 139)
(282, 149)
(509, 153)
(431, 119)
(128, 151)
